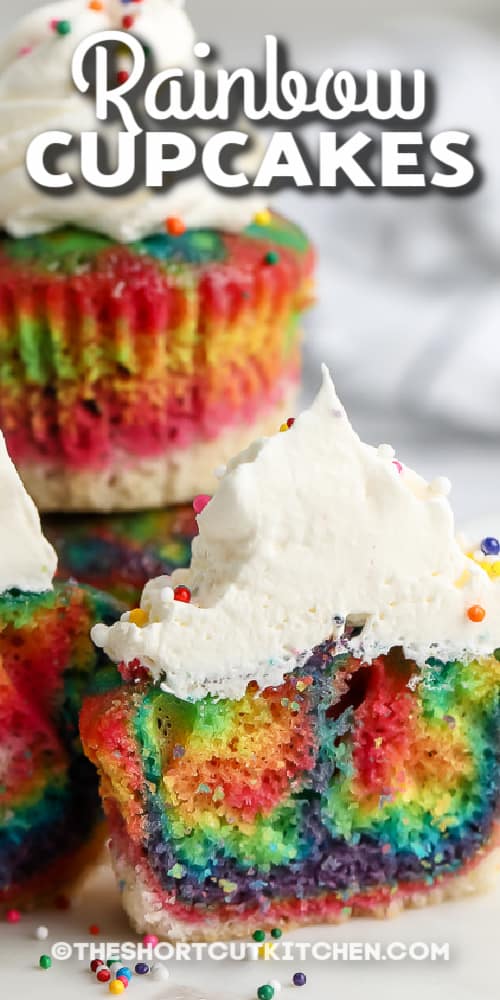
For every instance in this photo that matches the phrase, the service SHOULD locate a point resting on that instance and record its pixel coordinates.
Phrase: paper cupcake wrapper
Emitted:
(112, 353)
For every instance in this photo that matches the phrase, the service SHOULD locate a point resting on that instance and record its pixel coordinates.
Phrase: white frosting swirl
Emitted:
(308, 529)
(37, 95)
(27, 561)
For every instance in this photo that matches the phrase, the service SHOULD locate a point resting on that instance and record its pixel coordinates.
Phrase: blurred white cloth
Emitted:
(408, 314)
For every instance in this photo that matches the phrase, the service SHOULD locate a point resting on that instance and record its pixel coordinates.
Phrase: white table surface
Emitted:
(470, 926)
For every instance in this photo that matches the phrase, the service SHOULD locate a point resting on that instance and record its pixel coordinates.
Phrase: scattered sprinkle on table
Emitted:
(265, 992)
(116, 987)
(124, 971)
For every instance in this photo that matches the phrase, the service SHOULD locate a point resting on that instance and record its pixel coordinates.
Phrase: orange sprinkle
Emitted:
(138, 617)
(175, 226)
(96, 5)
(476, 613)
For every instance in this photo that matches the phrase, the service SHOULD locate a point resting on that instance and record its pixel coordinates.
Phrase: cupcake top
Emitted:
(37, 95)
(27, 561)
(312, 536)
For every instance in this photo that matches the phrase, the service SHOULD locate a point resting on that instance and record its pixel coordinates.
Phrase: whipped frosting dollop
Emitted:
(37, 95)
(311, 531)
(27, 561)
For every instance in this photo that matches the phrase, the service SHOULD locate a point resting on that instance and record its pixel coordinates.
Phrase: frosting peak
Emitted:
(27, 561)
(312, 531)
(37, 95)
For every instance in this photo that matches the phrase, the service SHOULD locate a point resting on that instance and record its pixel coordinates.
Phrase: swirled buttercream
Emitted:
(27, 561)
(37, 95)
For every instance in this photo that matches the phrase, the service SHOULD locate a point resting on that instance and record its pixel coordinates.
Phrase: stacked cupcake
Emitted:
(145, 337)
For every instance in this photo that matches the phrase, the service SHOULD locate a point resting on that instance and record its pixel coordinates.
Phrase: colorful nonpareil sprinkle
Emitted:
(272, 257)
(263, 218)
(138, 617)
(116, 987)
(299, 979)
(476, 613)
(490, 546)
(200, 502)
(175, 226)
(45, 961)
(182, 594)
(265, 992)
(63, 28)
(124, 971)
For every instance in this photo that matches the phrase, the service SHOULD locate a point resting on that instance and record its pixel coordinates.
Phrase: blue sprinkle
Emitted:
(490, 546)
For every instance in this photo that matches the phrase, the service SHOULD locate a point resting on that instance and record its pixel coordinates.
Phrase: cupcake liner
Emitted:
(112, 355)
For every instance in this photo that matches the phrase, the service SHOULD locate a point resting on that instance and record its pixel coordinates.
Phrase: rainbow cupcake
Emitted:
(119, 553)
(50, 816)
(145, 337)
(308, 727)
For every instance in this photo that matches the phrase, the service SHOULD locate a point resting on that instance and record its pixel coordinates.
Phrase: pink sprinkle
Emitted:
(26, 50)
(398, 465)
(13, 916)
(150, 939)
(200, 502)
(53, 23)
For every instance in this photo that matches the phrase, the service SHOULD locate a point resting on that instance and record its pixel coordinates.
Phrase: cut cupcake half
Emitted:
(309, 724)
(50, 816)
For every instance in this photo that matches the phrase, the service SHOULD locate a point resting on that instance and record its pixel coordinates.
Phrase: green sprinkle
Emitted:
(63, 28)
(265, 992)
(276, 932)
(496, 654)
(259, 936)
(176, 871)
(272, 257)
(45, 962)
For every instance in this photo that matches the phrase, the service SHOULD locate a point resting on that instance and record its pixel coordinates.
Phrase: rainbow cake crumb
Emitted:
(50, 816)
